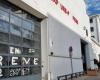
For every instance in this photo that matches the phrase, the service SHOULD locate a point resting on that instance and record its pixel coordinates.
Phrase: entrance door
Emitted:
(83, 51)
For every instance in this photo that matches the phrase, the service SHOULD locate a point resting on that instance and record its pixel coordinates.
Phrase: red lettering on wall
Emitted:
(55, 1)
(75, 20)
(64, 9)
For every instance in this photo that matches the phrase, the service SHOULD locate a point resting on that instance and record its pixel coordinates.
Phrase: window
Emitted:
(33, 26)
(3, 49)
(4, 26)
(36, 45)
(4, 60)
(4, 37)
(26, 34)
(15, 30)
(15, 50)
(4, 16)
(36, 37)
(25, 71)
(15, 40)
(26, 61)
(15, 61)
(17, 11)
(5, 72)
(86, 32)
(15, 20)
(93, 36)
(37, 29)
(27, 25)
(27, 42)
(35, 70)
(91, 20)
(28, 51)
(92, 29)
(14, 72)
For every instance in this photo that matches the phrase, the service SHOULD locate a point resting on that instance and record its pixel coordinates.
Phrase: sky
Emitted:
(93, 7)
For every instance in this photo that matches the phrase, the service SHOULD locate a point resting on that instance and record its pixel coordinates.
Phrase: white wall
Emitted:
(44, 49)
(76, 9)
(59, 66)
(98, 25)
(62, 38)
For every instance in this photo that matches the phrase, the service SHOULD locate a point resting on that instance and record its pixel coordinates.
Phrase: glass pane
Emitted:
(15, 20)
(27, 25)
(3, 48)
(4, 16)
(4, 61)
(19, 42)
(36, 37)
(35, 70)
(4, 72)
(26, 61)
(25, 71)
(4, 26)
(15, 30)
(28, 51)
(15, 39)
(17, 11)
(37, 54)
(15, 61)
(27, 16)
(14, 72)
(27, 42)
(35, 61)
(15, 50)
(38, 51)
(37, 29)
(37, 45)
(33, 27)
(4, 37)
(26, 34)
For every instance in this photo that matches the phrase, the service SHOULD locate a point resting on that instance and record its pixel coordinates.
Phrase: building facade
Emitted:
(19, 50)
(44, 40)
(95, 34)
(95, 27)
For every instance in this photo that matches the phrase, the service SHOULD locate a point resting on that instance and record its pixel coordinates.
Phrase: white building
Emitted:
(95, 27)
(45, 37)
(95, 34)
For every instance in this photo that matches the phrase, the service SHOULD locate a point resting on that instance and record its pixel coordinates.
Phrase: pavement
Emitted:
(89, 77)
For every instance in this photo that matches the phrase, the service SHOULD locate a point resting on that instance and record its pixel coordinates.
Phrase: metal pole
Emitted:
(71, 68)
(70, 53)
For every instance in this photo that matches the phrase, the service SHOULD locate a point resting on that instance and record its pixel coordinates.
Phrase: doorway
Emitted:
(99, 57)
(83, 51)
